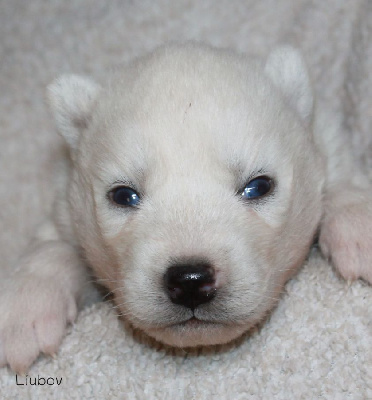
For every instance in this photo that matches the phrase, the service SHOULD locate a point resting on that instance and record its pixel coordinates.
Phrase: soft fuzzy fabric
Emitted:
(317, 343)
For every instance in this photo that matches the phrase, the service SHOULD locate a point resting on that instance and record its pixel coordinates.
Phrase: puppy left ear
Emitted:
(287, 70)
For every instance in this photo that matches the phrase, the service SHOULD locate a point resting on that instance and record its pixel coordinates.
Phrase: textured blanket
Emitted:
(318, 342)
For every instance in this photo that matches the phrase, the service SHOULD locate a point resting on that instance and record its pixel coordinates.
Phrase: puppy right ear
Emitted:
(287, 70)
(71, 99)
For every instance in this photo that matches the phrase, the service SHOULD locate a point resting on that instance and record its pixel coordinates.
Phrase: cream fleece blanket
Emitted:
(318, 341)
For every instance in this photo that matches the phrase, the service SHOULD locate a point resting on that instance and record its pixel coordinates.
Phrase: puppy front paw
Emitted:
(34, 313)
(346, 234)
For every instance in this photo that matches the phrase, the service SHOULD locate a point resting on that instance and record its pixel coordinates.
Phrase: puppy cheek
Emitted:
(118, 250)
(280, 253)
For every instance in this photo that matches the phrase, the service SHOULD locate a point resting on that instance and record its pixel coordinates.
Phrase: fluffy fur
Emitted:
(187, 127)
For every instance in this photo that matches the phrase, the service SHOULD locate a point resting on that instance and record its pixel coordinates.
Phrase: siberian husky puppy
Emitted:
(196, 182)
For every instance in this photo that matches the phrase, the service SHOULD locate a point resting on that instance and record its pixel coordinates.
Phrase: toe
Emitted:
(21, 347)
(71, 311)
(49, 332)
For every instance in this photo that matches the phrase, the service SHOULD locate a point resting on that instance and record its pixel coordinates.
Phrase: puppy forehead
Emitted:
(185, 108)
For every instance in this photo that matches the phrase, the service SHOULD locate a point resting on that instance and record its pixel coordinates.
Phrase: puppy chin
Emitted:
(194, 333)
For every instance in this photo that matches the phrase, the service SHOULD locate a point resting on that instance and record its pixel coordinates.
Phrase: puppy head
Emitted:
(195, 186)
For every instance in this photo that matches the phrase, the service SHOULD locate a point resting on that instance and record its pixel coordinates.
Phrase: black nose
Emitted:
(190, 284)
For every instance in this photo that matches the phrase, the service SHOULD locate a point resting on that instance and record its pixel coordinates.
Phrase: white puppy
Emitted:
(194, 188)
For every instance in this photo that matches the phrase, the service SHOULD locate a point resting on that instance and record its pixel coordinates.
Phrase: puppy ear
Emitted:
(287, 70)
(71, 99)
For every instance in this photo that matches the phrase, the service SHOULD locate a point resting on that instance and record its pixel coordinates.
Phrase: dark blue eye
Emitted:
(257, 187)
(124, 196)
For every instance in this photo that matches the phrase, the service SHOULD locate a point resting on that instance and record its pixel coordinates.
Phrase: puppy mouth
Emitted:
(196, 332)
(193, 322)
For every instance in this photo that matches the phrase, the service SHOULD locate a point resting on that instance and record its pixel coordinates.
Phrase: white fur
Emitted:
(71, 98)
(287, 70)
(187, 126)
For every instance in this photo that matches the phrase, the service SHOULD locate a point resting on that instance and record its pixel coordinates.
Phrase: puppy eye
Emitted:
(257, 187)
(124, 196)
